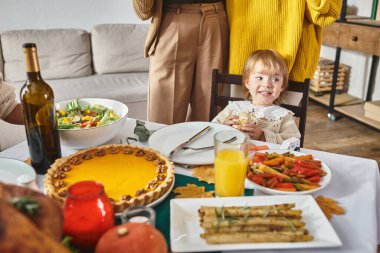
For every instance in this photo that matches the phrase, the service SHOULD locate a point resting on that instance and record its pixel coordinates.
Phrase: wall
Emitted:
(360, 63)
(43, 14)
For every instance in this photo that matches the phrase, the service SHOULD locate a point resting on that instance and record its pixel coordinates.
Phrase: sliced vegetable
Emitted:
(284, 185)
(289, 161)
(301, 170)
(259, 157)
(252, 147)
(275, 162)
(272, 182)
(267, 169)
(305, 187)
(312, 164)
(290, 189)
(304, 157)
(313, 173)
(73, 105)
(314, 179)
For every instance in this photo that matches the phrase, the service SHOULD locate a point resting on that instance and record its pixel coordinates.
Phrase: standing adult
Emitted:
(186, 40)
(291, 27)
(10, 110)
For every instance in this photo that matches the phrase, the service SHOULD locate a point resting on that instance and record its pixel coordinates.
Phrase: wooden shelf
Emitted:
(356, 34)
(340, 99)
(357, 112)
(364, 21)
(347, 105)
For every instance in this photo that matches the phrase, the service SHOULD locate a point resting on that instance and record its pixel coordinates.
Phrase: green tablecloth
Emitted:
(163, 209)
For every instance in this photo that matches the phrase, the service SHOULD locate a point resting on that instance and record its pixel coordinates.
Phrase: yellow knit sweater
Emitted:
(292, 27)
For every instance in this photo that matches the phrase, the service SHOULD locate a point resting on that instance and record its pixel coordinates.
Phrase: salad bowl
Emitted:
(103, 120)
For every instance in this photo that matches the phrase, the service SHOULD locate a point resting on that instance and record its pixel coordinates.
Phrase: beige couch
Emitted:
(106, 62)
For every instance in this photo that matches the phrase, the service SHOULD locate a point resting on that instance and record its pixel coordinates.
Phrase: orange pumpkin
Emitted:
(132, 238)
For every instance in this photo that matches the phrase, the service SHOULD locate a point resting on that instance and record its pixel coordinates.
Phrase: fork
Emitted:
(209, 147)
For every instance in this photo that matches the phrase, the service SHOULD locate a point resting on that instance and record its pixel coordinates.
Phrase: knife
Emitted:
(178, 149)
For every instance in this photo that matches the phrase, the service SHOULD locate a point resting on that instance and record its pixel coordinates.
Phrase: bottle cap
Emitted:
(29, 45)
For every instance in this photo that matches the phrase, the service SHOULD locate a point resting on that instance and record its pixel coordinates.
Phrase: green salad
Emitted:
(75, 116)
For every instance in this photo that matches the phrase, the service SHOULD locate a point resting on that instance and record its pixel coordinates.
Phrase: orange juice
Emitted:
(230, 171)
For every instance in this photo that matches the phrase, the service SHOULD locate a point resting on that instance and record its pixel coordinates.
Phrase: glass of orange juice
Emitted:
(231, 163)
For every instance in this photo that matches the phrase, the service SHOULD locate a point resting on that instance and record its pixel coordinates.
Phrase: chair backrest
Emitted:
(218, 102)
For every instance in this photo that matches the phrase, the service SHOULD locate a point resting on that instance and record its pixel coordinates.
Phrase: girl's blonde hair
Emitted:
(273, 62)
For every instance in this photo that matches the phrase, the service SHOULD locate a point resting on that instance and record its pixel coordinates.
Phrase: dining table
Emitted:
(355, 185)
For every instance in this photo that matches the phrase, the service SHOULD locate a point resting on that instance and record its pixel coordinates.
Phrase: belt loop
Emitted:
(215, 7)
(208, 8)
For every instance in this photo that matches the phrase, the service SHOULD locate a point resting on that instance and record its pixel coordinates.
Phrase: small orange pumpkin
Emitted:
(132, 238)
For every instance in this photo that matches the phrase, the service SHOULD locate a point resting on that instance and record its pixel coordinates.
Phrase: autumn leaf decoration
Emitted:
(204, 173)
(192, 191)
(28, 161)
(329, 206)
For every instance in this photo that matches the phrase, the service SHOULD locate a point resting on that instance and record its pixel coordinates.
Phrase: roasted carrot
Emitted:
(312, 164)
(272, 182)
(284, 185)
(259, 157)
(252, 147)
(314, 179)
(304, 157)
(313, 173)
(275, 162)
(264, 147)
(286, 189)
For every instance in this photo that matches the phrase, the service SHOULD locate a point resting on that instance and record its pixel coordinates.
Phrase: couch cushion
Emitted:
(126, 87)
(119, 48)
(63, 53)
(11, 134)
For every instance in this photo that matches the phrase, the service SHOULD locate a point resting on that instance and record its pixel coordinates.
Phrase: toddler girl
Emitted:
(265, 79)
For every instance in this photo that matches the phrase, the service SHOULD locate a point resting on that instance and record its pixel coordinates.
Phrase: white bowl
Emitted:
(90, 137)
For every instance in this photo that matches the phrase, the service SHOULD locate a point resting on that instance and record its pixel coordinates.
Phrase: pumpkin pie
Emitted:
(130, 175)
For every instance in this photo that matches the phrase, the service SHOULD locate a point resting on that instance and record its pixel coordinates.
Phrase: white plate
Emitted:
(185, 229)
(323, 183)
(159, 200)
(167, 138)
(13, 171)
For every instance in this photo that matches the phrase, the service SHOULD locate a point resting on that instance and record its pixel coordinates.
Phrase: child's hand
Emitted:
(231, 120)
(254, 132)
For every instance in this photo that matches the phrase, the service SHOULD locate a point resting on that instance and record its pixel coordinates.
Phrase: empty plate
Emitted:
(13, 171)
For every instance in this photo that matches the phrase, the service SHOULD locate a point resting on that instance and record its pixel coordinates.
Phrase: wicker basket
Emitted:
(323, 77)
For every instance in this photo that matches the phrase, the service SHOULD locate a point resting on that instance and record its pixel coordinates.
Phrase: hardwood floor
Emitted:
(344, 136)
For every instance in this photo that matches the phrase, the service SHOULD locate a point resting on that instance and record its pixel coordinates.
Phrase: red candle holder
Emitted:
(88, 213)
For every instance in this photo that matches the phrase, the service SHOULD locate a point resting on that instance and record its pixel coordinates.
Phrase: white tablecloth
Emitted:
(355, 185)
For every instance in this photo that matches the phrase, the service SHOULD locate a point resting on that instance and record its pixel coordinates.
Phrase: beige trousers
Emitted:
(193, 40)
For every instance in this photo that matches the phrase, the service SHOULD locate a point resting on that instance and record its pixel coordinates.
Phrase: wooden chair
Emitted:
(218, 102)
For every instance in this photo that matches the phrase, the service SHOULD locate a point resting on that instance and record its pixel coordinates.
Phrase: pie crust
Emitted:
(131, 175)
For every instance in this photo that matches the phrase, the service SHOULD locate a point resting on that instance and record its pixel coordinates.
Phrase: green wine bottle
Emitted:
(39, 113)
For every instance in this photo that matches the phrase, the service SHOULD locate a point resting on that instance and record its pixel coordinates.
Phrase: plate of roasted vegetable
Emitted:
(288, 172)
